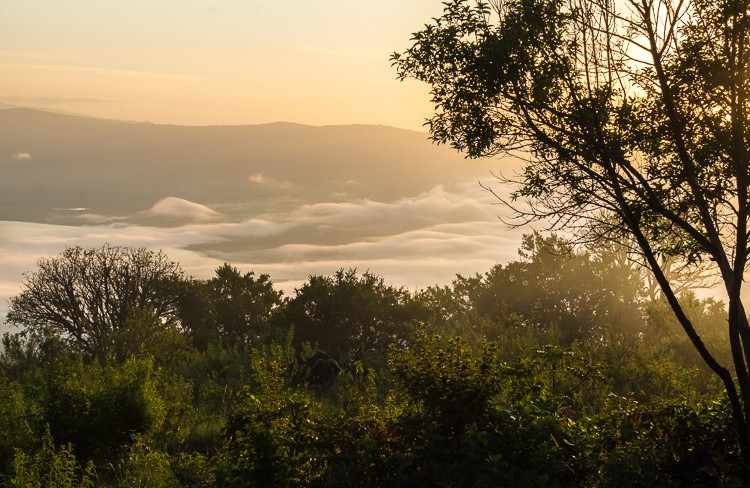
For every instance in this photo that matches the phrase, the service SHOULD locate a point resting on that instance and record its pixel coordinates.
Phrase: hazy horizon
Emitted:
(287, 200)
(214, 62)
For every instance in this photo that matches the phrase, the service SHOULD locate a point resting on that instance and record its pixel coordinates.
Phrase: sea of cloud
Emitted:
(416, 241)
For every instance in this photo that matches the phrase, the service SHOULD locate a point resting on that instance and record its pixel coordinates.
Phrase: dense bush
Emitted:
(51, 466)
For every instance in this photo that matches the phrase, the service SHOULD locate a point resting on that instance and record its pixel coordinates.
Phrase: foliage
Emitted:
(15, 430)
(269, 427)
(146, 467)
(98, 409)
(448, 383)
(231, 307)
(632, 120)
(143, 332)
(580, 295)
(349, 316)
(89, 297)
(665, 444)
(51, 466)
(459, 434)
(542, 404)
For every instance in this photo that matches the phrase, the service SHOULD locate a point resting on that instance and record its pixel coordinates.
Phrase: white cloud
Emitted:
(22, 156)
(170, 208)
(261, 179)
(97, 219)
(182, 209)
(367, 217)
(416, 242)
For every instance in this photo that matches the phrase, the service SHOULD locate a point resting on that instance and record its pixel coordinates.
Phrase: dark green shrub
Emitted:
(457, 431)
(97, 410)
(668, 444)
(51, 466)
(16, 430)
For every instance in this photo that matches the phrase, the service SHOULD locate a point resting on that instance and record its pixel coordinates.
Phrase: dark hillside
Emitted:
(50, 161)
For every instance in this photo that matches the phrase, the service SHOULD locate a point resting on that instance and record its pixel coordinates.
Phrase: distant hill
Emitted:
(57, 168)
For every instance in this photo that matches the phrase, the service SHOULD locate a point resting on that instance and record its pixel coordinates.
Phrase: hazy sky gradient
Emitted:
(201, 62)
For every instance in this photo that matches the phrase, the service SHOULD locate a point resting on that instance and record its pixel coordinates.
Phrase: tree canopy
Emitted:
(632, 119)
(231, 307)
(90, 297)
(348, 315)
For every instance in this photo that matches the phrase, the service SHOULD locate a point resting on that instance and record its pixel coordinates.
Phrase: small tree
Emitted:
(243, 304)
(88, 296)
(632, 118)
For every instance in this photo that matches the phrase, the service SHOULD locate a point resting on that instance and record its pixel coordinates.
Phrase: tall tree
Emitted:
(90, 296)
(632, 119)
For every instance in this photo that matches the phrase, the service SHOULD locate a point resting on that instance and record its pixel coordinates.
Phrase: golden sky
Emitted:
(201, 62)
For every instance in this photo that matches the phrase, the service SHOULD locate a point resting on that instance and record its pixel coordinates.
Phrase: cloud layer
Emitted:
(414, 241)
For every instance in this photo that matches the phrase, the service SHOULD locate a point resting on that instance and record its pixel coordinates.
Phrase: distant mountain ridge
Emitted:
(57, 168)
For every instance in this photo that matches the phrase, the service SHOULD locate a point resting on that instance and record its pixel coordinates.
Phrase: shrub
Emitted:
(51, 467)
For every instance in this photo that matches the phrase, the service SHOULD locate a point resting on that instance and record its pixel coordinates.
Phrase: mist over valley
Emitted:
(284, 199)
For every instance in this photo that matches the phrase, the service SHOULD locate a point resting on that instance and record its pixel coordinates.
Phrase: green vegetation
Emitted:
(632, 119)
(559, 369)
(568, 367)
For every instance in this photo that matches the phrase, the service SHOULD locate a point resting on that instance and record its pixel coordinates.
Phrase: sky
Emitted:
(205, 62)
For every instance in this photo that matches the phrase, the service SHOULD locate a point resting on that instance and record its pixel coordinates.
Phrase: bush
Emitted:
(458, 432)
(51, 467)
(146, 467)
(15, 430)
(97, 410)
(667, 444)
